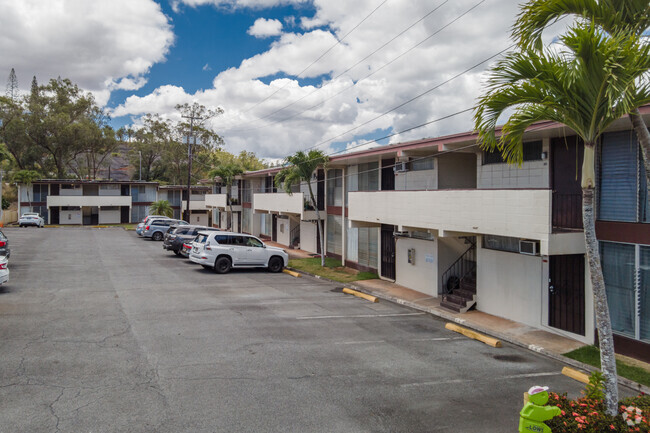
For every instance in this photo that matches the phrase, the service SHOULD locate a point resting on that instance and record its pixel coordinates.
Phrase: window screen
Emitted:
(618, 183)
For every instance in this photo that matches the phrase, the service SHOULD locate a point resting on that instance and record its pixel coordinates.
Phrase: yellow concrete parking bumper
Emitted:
(575, 374)
(473, 334)
(360, 295)
(292, 273)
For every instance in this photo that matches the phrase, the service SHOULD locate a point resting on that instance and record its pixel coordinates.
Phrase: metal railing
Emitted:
(294, 236)
(461, 268)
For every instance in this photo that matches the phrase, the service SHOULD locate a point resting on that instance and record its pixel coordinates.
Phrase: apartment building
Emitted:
(91, 202)
(176, 195)
(87, 202)
(444, 218)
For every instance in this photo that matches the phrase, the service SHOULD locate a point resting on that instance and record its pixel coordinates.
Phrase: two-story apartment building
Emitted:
(176, 195)
(444, 218)
(87, 202)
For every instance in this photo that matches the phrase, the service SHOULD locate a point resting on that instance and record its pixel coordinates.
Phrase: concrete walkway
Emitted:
(538, 340)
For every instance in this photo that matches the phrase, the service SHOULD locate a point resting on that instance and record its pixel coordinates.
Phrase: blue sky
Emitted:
(146, 56)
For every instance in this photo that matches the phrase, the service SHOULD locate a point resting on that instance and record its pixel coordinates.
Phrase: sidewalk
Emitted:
(538, 340)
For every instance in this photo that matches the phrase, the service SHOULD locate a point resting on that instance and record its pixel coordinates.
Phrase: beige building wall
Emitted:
(308, 236)
(109, 216)
(70, 217)
(457, 170)
(199, 219)
(420, 180)
(423, 273)
(531, 174)
(510, 285)
(283, 229)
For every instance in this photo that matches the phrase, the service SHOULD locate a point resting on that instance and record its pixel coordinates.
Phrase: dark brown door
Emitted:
(387, 174)
(54, 214)
(566, 164)
(54, 189)
(387, 252)
(124, 214)
(566, 293)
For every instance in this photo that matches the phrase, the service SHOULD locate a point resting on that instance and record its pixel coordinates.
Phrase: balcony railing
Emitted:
(88, 200)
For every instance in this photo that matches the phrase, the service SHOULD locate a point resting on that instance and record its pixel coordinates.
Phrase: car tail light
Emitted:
(147, 228)
(3, 243)
(3, 266)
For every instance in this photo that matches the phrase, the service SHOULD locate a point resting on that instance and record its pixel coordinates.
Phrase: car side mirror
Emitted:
(263, 245)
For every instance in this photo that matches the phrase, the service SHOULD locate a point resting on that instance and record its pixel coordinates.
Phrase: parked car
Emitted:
(187, 248)
(4, 245)
(222, 251)
(156, 228)
(140, 228)
(4, 270)
(179, 234)
(31, 219)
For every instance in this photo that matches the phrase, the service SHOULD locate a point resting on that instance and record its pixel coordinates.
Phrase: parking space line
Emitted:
(500, 378)
(358, 316)
(361, 342)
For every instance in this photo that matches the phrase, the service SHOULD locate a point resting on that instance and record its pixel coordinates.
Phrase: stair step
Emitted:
(452, 307)
(466, 294)
(455, 299)
(468, 285)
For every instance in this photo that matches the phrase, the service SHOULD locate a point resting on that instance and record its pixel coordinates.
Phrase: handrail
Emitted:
(294, 236)
(461, 268)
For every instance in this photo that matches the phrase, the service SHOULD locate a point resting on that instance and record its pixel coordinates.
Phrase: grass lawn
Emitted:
(591, 355)
(332, 270)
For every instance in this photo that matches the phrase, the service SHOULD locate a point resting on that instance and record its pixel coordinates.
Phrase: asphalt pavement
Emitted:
(101, 331)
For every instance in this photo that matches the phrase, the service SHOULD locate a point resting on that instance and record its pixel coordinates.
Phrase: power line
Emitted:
(348, 70)
(320, 57)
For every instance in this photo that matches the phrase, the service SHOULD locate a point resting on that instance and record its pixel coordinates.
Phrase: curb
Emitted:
(506, 338)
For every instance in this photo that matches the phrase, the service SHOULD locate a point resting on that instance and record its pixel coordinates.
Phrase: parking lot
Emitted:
(102, 331)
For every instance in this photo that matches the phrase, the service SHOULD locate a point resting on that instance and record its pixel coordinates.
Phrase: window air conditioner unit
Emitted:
(528, 247)
(400, 167)
(404, 234)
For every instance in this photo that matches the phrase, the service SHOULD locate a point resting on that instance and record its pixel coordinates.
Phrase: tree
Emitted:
(27, 177)
(227, 173)
(588, 85)
(629, 17)
(161, 207)
(12, 86)
(149, 143)
(299, 167)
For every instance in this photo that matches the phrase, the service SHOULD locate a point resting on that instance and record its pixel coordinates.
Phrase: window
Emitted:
(335, 187)
(501, 243)
(221, 239)
(334, 234)
(109, 187)
(183, 231)
(532, 151)
(623, 193)
(253, 242)
(420, 163)
(138, 193)
(626, 270)
(368, 176)
(69, 186)
(368, 246)
(40, 193)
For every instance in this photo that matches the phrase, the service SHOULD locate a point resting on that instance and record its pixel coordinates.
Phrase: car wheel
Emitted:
(157, 236)
(222, 265)
(276, 264)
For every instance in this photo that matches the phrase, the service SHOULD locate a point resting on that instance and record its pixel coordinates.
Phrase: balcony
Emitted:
(283, 204)
(88, 200)
(523, 213)
(218, 201)
(195, 204)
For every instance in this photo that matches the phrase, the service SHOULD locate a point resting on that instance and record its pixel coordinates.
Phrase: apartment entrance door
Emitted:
(566, 172)
(566, 293)
(387, 252)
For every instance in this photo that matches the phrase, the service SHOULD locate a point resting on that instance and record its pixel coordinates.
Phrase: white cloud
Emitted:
(263, 28)
(206, 67)
(101, 45)
(235, 4)
(277, 117)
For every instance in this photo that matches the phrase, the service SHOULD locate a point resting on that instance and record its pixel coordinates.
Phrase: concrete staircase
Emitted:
(463, 297)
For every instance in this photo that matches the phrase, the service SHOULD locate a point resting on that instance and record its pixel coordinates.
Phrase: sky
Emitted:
(289, 75)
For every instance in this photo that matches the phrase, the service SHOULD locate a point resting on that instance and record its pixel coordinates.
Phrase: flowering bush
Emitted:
(588, 415)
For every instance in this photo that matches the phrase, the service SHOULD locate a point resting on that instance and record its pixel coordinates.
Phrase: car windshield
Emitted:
(201, 238)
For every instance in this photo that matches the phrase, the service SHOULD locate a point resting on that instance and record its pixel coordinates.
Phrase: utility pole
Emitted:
(192, 116)
(140, 153)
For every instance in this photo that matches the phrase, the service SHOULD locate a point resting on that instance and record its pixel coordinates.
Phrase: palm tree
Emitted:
(227, 172)
(631, 17)
(27, 177)
(299, 168)
(586, 86)
(161, 207)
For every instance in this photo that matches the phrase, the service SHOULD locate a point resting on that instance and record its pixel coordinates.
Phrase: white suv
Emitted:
(222, 251)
